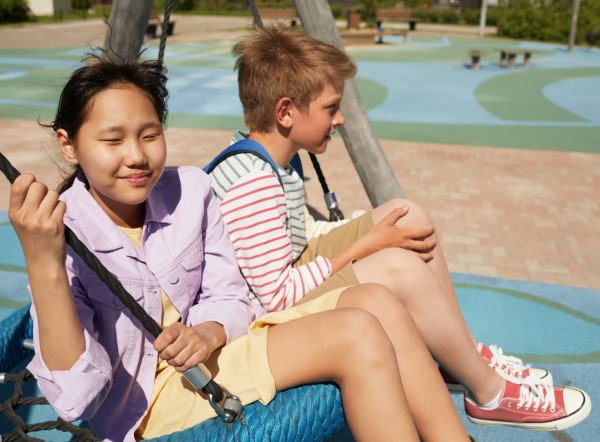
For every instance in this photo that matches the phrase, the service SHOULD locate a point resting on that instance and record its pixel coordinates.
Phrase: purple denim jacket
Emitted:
(187, 252)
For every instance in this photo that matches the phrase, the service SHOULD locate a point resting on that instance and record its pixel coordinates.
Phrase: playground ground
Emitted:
(505, 160)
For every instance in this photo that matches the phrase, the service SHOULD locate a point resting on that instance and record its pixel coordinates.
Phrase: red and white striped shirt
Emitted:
(266, 227)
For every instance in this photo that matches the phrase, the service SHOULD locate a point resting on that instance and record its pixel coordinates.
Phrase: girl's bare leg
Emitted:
(444, 332)
(349, 347)
(433, 411)
(417, 217)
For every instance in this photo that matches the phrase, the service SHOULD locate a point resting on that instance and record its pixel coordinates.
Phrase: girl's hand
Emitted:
(37, 217)
(387, 234)
(184, 347)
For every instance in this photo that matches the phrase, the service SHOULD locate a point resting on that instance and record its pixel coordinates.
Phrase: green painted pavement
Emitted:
(567, 139)
(519, 96)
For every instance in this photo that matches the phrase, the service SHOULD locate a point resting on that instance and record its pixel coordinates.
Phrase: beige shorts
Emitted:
(330, 245)
(242, 367)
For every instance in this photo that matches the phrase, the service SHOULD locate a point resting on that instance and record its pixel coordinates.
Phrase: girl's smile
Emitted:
(138, 179)
(121, 149)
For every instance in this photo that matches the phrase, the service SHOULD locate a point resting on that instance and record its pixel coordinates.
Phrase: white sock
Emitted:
(493, 404)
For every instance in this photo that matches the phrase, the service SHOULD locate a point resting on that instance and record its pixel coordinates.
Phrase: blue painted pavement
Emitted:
(553, 326)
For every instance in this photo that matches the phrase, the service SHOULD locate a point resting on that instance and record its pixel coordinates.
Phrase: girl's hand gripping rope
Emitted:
(37, 215)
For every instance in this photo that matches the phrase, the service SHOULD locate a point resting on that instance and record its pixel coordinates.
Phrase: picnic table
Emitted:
(508, 57)
(370, 36)
(155, 22)
(476, 55)
(286, 14)
(396, 14)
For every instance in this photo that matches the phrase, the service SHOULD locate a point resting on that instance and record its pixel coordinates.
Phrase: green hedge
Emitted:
(449, 16)
(12, 11)
(81, 4)
(492, 16)
(550, 20)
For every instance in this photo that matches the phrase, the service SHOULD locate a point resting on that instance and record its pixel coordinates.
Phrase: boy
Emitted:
(290, 86)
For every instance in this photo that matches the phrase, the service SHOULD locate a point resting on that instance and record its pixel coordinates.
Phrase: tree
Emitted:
(127, 26)
(372, 166)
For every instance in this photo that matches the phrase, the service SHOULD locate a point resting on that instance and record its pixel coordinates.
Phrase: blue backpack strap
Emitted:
(252, 147)
(297, 166)
(244, 146)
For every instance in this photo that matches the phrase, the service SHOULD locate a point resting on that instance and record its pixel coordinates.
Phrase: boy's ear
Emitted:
(284, 113)
(66, 146)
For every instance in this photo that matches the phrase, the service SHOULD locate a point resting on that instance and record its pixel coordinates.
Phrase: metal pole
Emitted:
(573, 29)
(364, 149)
(482, 18)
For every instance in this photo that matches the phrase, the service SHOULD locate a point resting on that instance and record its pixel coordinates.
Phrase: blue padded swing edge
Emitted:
(307, 413)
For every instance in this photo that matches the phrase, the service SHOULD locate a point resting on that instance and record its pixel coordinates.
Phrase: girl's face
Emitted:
(121, 149)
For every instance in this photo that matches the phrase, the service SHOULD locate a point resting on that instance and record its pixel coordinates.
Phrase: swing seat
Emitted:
(307, 413)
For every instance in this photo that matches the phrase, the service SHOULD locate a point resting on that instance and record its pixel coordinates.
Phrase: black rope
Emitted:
(317, 166)
(21, 428)
(110, 280)
(165, 31)
(257, 19)
(335, 214)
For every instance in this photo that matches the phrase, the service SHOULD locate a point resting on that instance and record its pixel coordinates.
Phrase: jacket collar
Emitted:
(95, 225)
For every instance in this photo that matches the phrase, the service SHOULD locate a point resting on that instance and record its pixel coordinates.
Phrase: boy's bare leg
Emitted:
(349, 347)
(417, 217)
(441, 328)
(433, 411)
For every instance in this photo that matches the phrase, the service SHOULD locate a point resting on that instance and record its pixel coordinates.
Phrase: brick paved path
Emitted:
(530, 215)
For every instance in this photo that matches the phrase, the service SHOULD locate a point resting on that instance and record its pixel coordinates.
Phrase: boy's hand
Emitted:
(387, 234)
(37, 217)
(185, 347)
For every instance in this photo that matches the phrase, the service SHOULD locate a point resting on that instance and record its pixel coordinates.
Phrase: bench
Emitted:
(394, 32)
(285, 14)
(476, 55)
(155, 22)
(508, 57)
(395, 14)
(369, 36)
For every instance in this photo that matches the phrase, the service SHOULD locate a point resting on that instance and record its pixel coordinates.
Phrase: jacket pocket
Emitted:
(113, 324)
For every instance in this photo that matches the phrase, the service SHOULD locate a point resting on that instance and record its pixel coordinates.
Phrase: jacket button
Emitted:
(173, 279)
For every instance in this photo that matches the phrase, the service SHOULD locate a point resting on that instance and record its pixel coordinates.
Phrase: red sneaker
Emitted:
(511, 366)
(506, 366)
(533, 406)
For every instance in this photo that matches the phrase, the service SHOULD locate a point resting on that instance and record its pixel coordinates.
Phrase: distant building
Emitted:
(49, 7)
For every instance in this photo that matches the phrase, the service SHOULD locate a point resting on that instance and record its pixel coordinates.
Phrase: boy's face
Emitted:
(312, 129)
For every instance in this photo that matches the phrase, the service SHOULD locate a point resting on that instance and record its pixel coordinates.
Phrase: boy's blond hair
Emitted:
(279, 62)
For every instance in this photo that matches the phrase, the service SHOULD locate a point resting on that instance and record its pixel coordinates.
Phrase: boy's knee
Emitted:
(416, 214)
(371, 297)
(401, 263)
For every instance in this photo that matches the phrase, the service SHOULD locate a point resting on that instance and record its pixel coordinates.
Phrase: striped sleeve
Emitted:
(254, 211)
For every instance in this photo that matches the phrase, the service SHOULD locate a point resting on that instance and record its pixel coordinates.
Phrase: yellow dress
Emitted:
(174, 400)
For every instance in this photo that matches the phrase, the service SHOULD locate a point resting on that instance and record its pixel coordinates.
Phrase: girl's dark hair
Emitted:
(103, 70)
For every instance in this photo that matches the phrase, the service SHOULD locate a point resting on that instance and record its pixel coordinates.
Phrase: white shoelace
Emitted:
(512, 365)
(533, 394)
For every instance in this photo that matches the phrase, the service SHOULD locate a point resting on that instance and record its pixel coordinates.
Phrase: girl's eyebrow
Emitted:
(149, 125)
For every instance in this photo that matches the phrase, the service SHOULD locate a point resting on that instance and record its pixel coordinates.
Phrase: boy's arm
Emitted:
(254, 211)
(314, 228)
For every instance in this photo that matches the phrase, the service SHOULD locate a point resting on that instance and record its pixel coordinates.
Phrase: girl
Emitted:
(159, 231)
